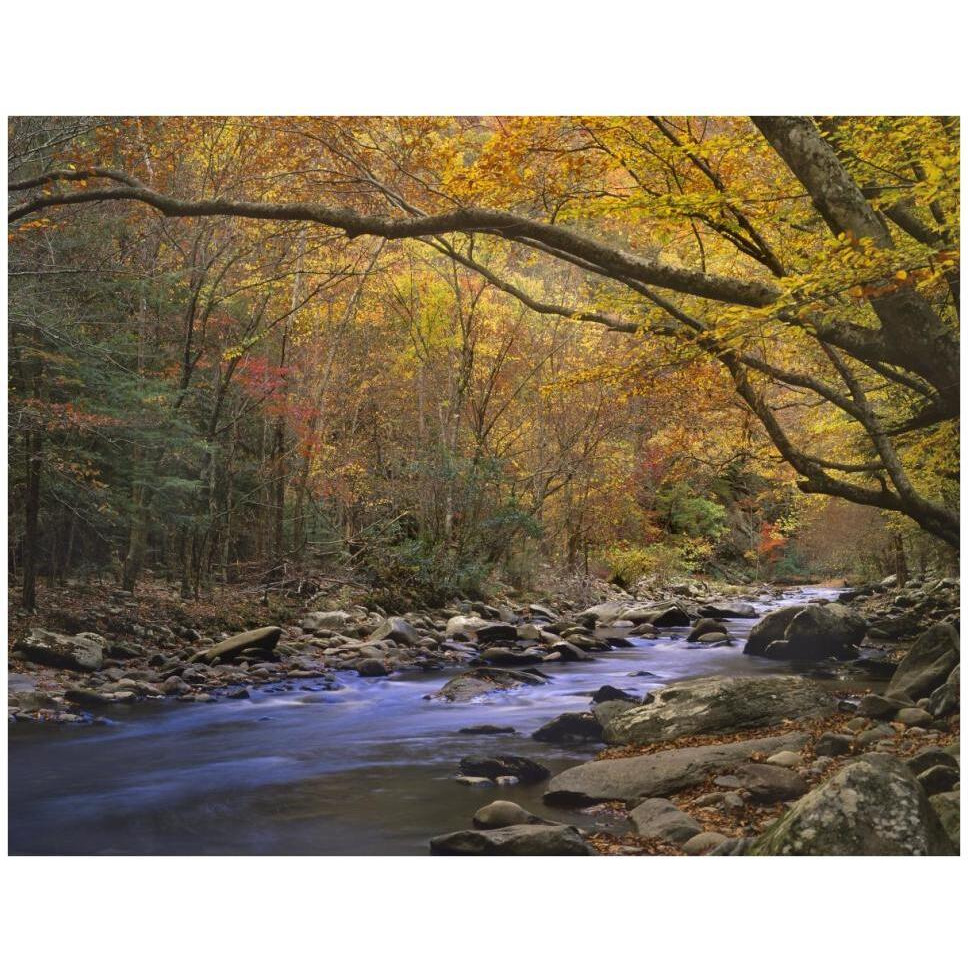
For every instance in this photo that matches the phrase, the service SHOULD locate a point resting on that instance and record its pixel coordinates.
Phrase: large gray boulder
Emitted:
(262, 640)
(517, 840)
(479, 682)
(635, 778)
(83, 652)
(874, 806)
(948, 808)
(929, 663)
(719, 705)
(659, 819)
(822, 631)
(769, 629)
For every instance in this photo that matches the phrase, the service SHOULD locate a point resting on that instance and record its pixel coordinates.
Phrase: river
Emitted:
(366, 769)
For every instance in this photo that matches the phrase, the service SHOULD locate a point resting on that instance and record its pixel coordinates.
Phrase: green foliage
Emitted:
(686, 513)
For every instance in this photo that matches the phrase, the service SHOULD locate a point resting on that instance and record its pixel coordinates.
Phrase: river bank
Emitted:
(336, 761)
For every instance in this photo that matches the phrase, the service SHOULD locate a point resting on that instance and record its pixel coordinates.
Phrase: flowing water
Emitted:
(366, 769)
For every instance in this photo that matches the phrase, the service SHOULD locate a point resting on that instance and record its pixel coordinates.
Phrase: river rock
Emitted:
(948, 808)
(929, 663)
(570, 728)
(659, 819)
(478, 682)
(833, 744)
(770, 628)
(372, 668)
(874, 806)
(506, 764)
(703, 843)
(880, 707)
(397, 630)
(334, 621)
(503, 813)
(719, 705)
(516, 840)
(939, 779)
(464, 625)
(263, 640)
(728, 610)
(83, 652)
(636, 778)
(607, 693)
(88, 697)
(487, 729)
(824, 631)
(768, 783)
(605, 712)
(496, 632)
(703, 627)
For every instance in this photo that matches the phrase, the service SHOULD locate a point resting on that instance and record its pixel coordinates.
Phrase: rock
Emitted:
(88, 697)
(939, 779)
(875, 733)
(465, 625)
(605, 712)
(914, 716)
(767, 783)
(175, 686)
(873, 806)
(371, 668)
(83, 652)
(785, 758)
(770, 628)
(636, 778)
(519, 839)
(833, 744)
(824, 631)
(659, 819)
(501, 655)
(475, 781)
(487, 729)
(928, 757)
(948, 808)
(528, 771)
(503, 813)
(397, 630)
(880, 707)
(570, 728)
(946, 699)
(541, 611)
(31, 701)
(703, 843)
(334, 621)
(714, 638)
(703, 627)
(496, 632)
(673, 617)
(929, 663)
(719, 705)
(603, 614)
(479, 682)
(728, 610)
(606, 693)
(570, 652)
(264, 640)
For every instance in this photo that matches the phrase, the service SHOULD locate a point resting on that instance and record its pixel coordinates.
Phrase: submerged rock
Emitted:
(506, 764)
(719, 705)
(478, 682)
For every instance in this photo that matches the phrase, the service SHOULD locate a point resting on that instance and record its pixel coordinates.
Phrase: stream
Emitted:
(366, 769)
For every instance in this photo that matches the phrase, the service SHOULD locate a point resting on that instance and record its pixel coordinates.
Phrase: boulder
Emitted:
(659, 819)
(503, 813)
(507, 764)
(767, 783)
(703, 627)
(946, 699)
(728, 610)
(929, 663)
(636, 778)
(516, 840)
(83, 652)
(603, 614)
(607, 693)
(372, 668)
(833, 744)
(824, 631)
(948, 808)
(703, 843)
(502, 656)
(465, 625)
(570, 728)
(881, 707)
(667, 618)
(719, 705)
(479, 682)
(939, 779)
(262, 640)
(770, 628)
(397, 630)
(874, 806)
(496, 632)
(333, 621)
(87, 698)
(605, 712)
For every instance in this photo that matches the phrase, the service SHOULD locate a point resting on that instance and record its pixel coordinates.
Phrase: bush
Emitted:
(661, 561)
